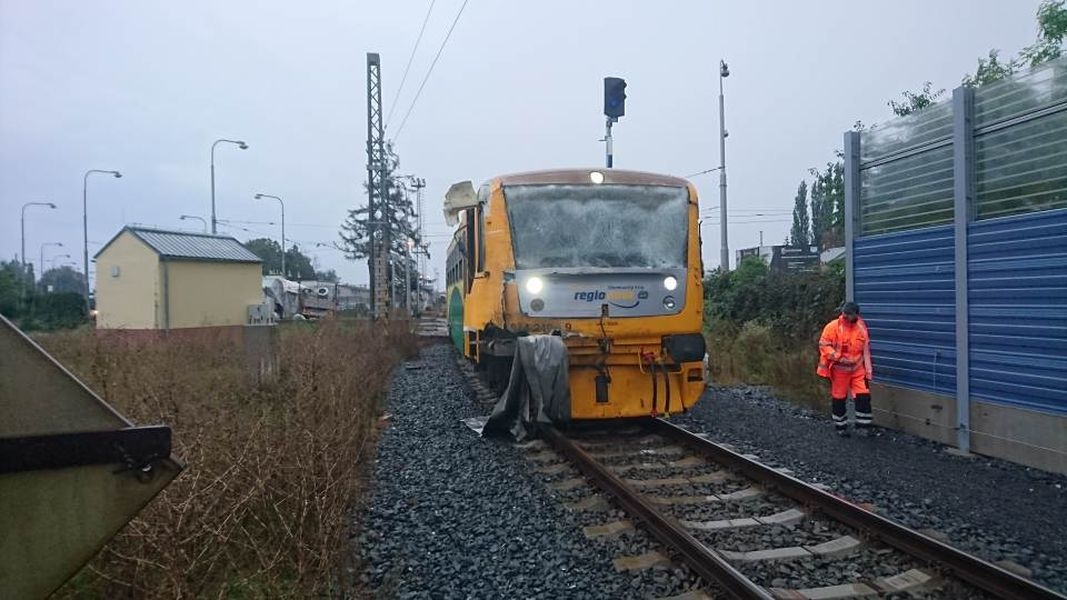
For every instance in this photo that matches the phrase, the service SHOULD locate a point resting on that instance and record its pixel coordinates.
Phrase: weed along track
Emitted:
(747, 529)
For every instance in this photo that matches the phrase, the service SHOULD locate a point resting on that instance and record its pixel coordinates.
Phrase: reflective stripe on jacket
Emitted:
(844, 346)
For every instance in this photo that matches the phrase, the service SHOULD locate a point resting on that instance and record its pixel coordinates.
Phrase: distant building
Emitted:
(831, 255)
(784, 259)
(156, 279)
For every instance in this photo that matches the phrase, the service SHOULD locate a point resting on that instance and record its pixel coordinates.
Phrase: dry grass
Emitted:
(753, 354)
(263, 508)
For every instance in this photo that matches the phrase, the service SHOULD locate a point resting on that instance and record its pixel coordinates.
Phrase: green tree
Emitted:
(398, 217)
(297, 264)
(828, 206)
(915, 101)
(13, 289)
(1052, 29)
(62, 280)
(800, 234)
(989, 70)
(269, 251)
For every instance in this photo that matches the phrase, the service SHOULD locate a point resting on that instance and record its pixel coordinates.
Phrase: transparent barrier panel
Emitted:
(932, 124)
(1022, 168)
(907, 193)
(1021, 93)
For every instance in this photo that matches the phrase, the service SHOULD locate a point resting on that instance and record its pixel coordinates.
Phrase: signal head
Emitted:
(614, 97)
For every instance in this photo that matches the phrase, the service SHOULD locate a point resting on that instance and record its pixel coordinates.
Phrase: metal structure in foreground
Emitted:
(73, 471)
(714, 568)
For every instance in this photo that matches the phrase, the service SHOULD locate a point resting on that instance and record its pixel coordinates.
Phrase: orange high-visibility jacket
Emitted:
(844, 346)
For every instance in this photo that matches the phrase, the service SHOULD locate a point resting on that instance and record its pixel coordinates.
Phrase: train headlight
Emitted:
(534, 285)
(670, 283)
(596, 177)
(669, 303)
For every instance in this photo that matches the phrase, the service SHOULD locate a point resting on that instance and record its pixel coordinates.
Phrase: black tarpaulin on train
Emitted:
(538, 390)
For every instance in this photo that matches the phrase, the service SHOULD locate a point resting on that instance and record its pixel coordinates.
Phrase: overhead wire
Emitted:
(430, 70)
(403, 79)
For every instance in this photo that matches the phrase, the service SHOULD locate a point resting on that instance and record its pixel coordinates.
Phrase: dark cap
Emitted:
(850, 308)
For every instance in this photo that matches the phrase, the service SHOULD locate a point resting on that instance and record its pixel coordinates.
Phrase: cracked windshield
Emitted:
(601, 226)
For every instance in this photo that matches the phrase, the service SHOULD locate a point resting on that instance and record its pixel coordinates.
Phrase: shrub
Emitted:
(272, 469)
(763, 327)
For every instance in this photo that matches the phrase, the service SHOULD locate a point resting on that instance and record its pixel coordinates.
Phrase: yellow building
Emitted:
(157, 279)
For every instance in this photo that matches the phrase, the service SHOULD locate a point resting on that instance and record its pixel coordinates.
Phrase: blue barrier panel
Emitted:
(1018, 310)
(904, 284)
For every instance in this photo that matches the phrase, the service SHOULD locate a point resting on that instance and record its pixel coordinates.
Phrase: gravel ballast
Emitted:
(451, 515)
(994, 509)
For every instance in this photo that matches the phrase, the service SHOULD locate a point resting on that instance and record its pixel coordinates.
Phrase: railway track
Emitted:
(702, 500)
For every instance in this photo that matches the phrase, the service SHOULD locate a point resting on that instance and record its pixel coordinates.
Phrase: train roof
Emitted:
(581, 176)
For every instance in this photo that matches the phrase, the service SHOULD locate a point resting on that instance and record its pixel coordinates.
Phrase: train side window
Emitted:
(469, 248)
(483, 210)
(481, 239)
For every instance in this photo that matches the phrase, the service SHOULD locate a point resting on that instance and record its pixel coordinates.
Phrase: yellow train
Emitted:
(607, 259)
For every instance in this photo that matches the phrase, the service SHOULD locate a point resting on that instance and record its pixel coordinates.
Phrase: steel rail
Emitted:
(699, 557)
(984, 575)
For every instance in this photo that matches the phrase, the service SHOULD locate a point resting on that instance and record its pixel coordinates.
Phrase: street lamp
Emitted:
(23, 255)
(85, 225)
(40, 260)
(258, 196)
(724, 256)
(52, 260)
(240, 144)
(201, 219)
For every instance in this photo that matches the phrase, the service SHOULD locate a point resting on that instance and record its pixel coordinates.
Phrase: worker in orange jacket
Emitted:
(845, 359)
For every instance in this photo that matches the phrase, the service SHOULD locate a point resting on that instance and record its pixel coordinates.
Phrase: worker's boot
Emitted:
(864, 416)
(837, 408)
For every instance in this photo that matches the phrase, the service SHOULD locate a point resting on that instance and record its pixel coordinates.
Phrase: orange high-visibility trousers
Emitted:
(842, 382)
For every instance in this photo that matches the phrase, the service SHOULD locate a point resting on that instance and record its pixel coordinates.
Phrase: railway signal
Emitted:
(614, 97)
(614, 107)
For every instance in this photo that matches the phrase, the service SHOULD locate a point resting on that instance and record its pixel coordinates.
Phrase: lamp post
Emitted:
(85, 225)
(40, 260)
(258, 196)
(201, 219)
(240, 144)
(24, 206)
(724, 255)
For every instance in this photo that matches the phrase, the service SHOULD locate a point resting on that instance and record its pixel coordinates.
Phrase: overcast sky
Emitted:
(145, 87)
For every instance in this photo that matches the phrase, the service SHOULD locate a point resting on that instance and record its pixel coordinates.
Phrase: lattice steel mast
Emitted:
(377, 193)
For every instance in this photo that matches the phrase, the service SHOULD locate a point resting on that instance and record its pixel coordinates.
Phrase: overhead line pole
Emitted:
(377, 203)
(724, 253)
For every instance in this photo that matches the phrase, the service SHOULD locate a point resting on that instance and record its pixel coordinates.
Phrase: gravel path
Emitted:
(454, 516)
(992, 508)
